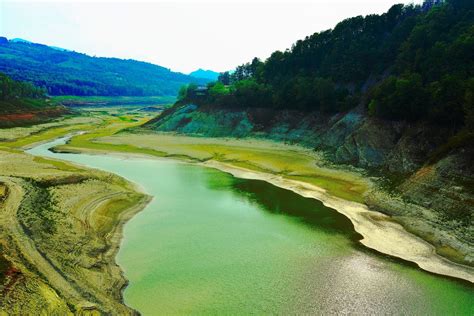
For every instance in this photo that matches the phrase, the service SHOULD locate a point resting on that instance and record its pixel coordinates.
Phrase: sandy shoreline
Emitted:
(379, 232)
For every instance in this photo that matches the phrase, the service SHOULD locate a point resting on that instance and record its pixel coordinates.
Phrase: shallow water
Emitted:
(209, 243)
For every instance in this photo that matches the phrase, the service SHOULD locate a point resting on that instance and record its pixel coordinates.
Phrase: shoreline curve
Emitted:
(379, 232)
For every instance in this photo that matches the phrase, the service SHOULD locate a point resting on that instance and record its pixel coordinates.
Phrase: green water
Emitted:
(212, 244)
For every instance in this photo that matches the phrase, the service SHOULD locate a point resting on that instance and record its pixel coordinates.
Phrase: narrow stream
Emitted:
(212, 244)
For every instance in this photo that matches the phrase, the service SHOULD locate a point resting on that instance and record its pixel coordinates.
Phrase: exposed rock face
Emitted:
(351, 138)
(433, 197)
(188, 120)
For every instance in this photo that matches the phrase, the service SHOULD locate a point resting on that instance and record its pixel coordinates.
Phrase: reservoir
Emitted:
(209, 243)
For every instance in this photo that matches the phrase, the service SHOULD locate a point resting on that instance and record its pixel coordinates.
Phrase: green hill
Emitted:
(63, 72)
(22, 103)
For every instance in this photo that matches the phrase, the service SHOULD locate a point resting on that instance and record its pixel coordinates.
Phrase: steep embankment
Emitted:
(425, 178)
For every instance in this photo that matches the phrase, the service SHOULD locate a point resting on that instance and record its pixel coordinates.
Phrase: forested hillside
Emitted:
(23, 103)
(11, 89)
(63, 72)
(412, 63)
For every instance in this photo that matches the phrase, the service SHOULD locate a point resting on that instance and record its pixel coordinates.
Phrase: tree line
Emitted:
(11, 89)
(414, 62)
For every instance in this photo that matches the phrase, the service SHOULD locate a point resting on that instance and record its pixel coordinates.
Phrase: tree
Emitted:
(400, 98)
(217, 90)
(250, 93)
(469, 106)
(183, 92)
(11, 89)
(224, 78)
(447, 97)
(407, 64)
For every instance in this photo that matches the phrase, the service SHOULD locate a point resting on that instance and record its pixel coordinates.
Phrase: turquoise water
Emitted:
(209, 243)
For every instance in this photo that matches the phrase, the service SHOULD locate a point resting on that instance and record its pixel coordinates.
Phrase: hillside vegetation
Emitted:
(63, 72)
(22, 103)
(412, 63)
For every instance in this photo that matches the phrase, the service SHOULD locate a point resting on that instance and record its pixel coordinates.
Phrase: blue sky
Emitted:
(182, 35)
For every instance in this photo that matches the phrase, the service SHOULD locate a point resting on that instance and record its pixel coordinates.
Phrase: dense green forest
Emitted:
(18, 97)
(63, 72)
(415, 62)
(11, 89)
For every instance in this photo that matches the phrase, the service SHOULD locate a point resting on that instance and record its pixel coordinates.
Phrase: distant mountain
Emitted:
(20, 40)
(63, 72)
(206, 74)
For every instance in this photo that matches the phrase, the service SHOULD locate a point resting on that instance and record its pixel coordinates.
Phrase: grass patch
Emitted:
(346, 190)
(46, 135)
(4, 268)
(269, 157)
(110, 127)
(107, 215)
(451, 253)
(3, 191)
(127, 119)
(112, 101)
(58, 164)
(459, 140)
(37, 211)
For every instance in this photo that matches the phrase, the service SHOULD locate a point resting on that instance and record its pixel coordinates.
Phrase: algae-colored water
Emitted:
(212, 244)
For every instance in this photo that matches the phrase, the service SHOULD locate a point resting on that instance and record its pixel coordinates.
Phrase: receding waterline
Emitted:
(211, 243)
